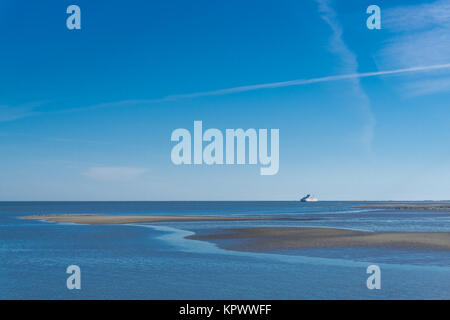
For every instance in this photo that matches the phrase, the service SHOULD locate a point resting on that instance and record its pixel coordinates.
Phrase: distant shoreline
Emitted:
(432, 205)
(408, 205)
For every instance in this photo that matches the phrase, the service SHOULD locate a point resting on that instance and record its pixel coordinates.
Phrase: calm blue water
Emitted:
(155, 261)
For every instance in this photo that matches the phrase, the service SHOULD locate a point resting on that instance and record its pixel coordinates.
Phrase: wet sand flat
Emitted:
(267, 239)
(103, 220)
(274, 238)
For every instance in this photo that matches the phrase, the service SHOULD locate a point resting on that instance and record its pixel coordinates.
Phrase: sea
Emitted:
(156, 261)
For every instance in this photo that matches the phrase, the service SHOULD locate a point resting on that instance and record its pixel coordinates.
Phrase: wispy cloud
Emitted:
(299, 82)
(350, 65)
(10, 113)
(255, 87)
(418, 35)
(428, 86)
(418, 16)
(114, 173)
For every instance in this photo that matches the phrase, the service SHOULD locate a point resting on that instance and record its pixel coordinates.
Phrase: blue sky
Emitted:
(87, 114)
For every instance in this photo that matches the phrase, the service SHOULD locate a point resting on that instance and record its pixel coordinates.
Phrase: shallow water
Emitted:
(155, 261)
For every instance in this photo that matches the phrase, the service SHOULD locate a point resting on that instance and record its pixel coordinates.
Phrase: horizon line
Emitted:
(425, 200)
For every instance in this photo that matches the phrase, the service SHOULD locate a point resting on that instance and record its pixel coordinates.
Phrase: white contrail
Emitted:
(299, 82)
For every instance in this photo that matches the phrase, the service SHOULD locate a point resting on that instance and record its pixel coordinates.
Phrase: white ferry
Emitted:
(309, 198)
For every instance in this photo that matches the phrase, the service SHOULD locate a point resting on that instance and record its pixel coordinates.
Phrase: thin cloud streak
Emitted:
(300, 82)
(273, 85)
(10, 113)
(349, 64)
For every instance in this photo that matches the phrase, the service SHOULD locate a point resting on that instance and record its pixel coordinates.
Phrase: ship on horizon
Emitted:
(309, 198)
